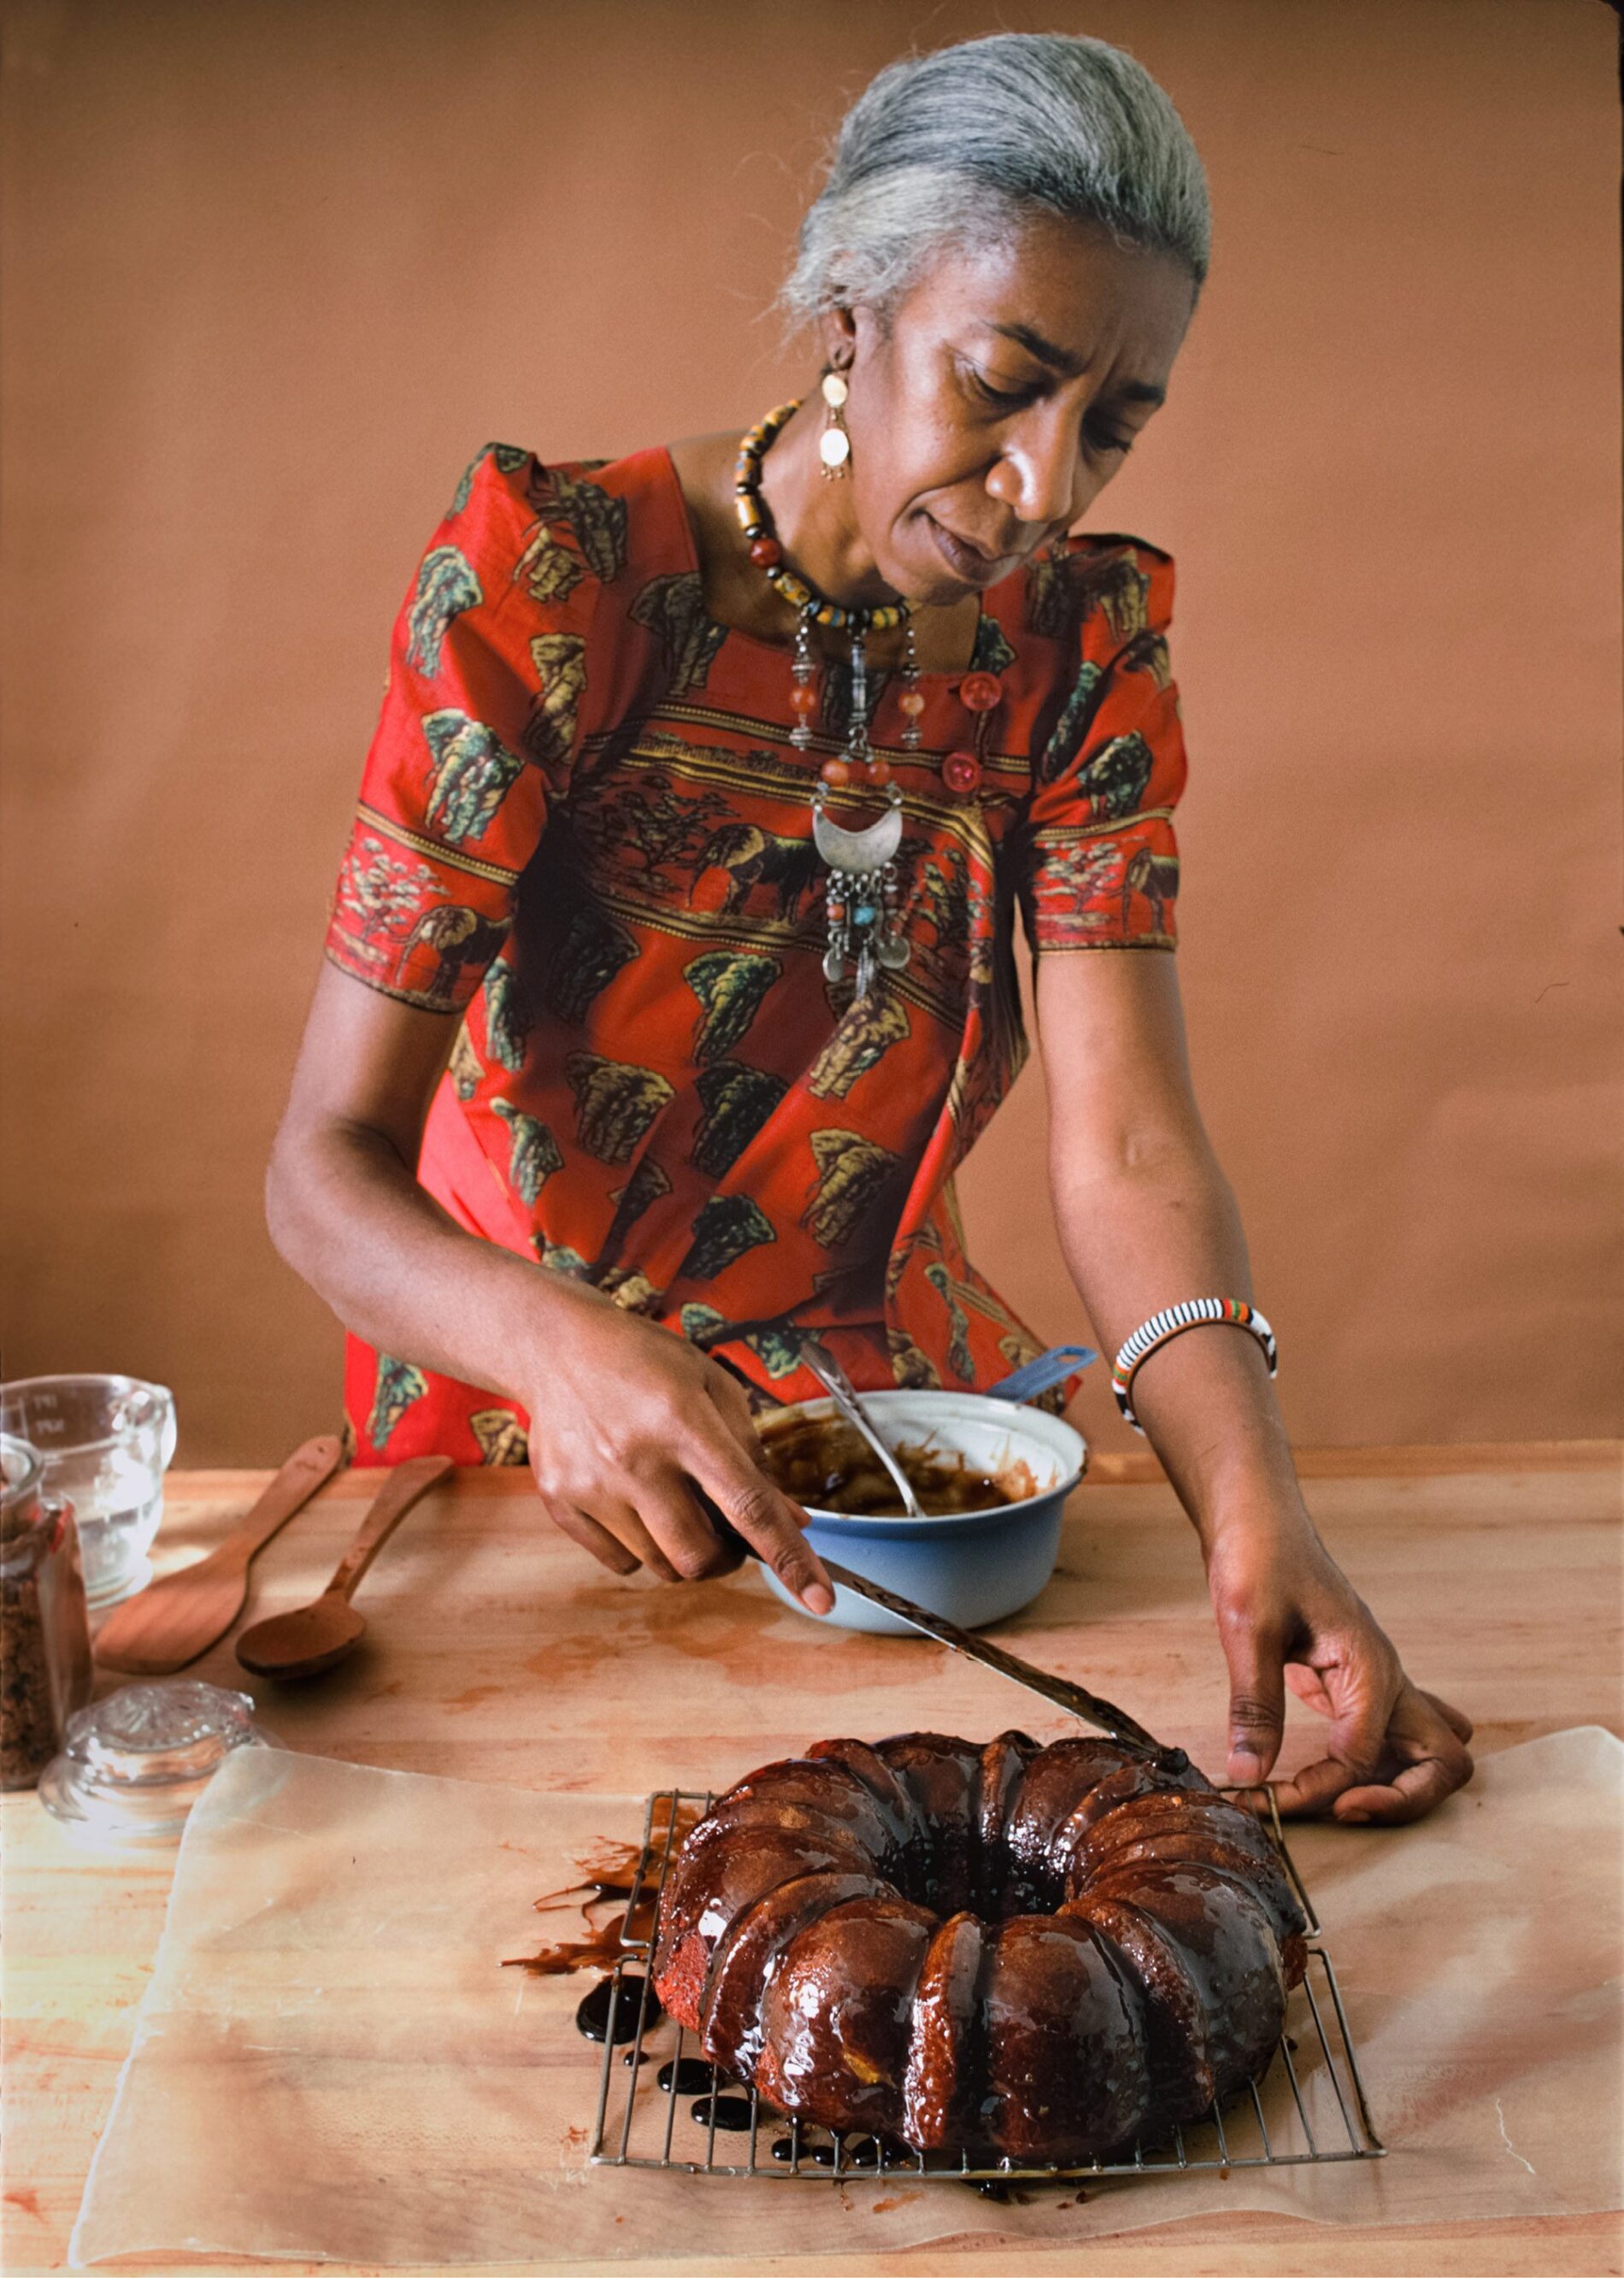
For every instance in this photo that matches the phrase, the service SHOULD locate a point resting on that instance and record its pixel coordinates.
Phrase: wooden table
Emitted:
(499, 1653)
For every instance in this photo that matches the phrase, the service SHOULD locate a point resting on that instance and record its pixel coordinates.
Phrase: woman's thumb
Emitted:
(1257, 1704)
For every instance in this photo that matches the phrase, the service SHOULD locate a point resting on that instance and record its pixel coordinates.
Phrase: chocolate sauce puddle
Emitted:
(634, 2008)
(628, 1872)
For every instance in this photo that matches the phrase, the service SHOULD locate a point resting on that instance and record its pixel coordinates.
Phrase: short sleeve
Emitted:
(1100, 859)
(482, 716)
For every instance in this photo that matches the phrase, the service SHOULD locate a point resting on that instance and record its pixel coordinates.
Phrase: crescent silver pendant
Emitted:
(858, 850)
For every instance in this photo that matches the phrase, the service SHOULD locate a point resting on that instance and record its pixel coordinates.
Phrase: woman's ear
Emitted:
(838, 327)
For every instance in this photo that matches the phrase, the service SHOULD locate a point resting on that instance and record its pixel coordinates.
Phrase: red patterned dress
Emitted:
(583, 831)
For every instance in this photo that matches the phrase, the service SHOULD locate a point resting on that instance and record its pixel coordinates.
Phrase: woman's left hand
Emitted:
(1287, 1614)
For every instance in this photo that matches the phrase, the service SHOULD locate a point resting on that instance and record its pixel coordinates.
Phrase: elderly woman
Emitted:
(671, 968)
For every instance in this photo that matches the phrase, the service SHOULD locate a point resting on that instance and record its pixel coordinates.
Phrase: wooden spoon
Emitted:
(173, 1620)
(313, 1638)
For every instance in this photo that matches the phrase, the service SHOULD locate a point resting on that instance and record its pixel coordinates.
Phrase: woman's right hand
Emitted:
(627, 1420)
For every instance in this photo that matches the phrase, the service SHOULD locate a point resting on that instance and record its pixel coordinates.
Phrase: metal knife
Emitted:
(1114, 1722)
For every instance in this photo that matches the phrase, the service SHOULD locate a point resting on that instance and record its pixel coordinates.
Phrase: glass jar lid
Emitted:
(31, 1526)
(20, 1472)
(133, 1765)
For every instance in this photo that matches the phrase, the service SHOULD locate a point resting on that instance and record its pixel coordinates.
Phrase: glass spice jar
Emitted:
(45, 1671)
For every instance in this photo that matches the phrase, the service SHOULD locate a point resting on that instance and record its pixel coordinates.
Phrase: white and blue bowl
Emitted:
(973, 1567)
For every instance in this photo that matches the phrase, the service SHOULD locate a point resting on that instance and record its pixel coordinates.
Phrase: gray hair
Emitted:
(957, 147)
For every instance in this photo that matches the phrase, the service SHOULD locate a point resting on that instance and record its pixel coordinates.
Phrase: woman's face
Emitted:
(1000, 398)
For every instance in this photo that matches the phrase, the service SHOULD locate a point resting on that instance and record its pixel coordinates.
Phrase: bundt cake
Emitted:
(1043, 1952)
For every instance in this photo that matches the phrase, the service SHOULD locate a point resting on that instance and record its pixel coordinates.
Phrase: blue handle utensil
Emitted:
(1042, 1375)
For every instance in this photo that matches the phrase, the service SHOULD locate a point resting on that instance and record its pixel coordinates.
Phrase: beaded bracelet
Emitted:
(1161, 1328)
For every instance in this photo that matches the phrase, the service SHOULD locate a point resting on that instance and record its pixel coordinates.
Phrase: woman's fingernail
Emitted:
(1246, 1768)
(819, 1598)
(1354, 1818)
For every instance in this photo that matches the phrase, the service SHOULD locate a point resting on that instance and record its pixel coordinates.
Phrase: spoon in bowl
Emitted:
(319, 1635)
(842, 1392)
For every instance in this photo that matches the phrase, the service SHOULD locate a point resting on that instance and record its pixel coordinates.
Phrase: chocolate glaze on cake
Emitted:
(1047, 1953)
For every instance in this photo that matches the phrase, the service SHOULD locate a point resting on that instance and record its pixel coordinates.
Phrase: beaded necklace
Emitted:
(861, 762)
(864, 892)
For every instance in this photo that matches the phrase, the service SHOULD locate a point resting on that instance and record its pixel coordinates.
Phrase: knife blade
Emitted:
(1076, 1700)
(1115, 1722)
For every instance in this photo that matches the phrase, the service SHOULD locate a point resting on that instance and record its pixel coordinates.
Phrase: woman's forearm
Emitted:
(1146, 1220)
(1143, 1233)
(348, 1215)
(629, 1423)
(345, 1211)
(1156, 1222)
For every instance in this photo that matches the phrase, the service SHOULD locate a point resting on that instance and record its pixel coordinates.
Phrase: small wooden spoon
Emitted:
(175, 1619)
(317, 1636)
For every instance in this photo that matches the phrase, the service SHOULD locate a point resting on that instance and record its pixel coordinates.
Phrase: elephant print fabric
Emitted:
(446, 586)
(583, 844)
(470, 776)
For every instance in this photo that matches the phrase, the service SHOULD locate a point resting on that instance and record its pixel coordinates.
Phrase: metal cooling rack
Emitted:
(1309, 2108)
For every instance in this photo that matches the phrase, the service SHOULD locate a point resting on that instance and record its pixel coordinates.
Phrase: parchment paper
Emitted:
(329, 2061)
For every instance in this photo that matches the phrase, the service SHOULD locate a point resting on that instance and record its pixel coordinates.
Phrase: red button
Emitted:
(981, 691)
(961, 771)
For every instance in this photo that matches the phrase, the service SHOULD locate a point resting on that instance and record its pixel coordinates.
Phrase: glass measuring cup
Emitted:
(105, 1443)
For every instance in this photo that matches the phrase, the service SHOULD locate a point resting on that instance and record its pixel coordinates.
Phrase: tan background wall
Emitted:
(275, 269)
